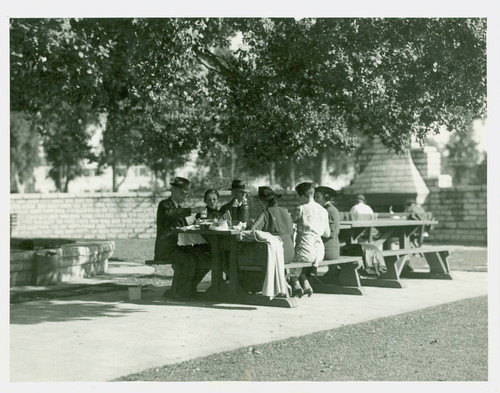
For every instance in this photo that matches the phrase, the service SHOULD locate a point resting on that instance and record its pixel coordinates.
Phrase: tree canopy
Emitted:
(278, 89)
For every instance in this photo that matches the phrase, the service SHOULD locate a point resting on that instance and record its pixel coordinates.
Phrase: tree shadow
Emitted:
(101, 301)
(71, 309)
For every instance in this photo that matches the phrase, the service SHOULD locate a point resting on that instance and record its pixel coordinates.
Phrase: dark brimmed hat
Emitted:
(360, 197)
(180, 182)
(266, 193)
(326, 190)
(238, 185)
(302, 188)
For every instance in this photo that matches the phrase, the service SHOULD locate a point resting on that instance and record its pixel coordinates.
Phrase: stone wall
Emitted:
(461, 212)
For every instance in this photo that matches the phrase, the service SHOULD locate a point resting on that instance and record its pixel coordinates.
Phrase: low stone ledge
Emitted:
(68, 262)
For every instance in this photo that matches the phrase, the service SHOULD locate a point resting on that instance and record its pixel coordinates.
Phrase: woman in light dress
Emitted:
(312, 224)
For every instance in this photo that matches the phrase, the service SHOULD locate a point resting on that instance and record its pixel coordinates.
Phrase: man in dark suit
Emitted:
(190, 263)
(238, 192)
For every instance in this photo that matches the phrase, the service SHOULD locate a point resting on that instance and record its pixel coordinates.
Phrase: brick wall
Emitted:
(461, 212)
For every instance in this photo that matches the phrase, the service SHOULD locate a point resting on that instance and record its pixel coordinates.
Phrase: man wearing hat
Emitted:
(324, 196)
(190, 263)
(238, 193)
(360, 208)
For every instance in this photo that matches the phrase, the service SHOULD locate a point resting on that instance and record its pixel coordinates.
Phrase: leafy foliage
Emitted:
(463, 161)
(24, 144)
(289, 91)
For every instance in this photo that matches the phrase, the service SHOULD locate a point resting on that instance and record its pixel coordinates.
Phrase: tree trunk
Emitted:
(233, 162)
(66, 180)
(122, 180)
(272, 173)
(113, 171)
(19, 185)
(322, 174)
(166, 173)
(291, 175)
(59, 183)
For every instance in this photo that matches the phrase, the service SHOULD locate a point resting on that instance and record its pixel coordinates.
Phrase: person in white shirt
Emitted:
(312, 223)
(360, 210)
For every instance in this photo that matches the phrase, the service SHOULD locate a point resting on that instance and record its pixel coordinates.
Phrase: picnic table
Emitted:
(226, 251)
(381, 232)
(226, 248)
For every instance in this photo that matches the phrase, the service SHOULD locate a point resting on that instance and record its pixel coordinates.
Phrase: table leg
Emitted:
(404, 237)
(233, 268)
(216, 266)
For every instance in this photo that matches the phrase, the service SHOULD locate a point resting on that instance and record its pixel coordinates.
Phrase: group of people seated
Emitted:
(315, 238)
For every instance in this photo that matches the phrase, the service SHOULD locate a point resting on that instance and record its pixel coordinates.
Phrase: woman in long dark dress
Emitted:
(324, 196)
(275, 220)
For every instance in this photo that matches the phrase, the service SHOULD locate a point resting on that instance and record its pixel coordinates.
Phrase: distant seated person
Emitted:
(190, 263)
(212, 201)
(361, 211)
(415, 211)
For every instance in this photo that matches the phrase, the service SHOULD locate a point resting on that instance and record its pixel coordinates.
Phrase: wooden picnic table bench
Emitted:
(395, 260)
(342, 280)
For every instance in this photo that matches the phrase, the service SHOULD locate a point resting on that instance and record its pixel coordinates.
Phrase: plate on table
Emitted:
(218, 228)
(189, 227)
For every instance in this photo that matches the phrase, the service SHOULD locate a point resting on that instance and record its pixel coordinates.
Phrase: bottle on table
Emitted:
(244, 211)
(235, 210)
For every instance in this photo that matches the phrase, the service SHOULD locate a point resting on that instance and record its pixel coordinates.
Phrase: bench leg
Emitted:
(394, 266)
(344, 281)
(390, 279)
(438, 265)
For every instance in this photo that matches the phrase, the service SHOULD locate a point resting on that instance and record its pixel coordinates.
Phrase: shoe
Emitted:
(308, 292)
(181, 298)
(297, 292)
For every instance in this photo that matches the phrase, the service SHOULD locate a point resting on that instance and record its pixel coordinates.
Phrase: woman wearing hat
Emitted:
(324, 196)
(275, 220)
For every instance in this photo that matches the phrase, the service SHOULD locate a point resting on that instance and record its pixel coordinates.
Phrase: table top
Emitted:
(385, 222)
(199, 231)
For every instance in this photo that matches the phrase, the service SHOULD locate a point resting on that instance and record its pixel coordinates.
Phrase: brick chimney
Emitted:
(388, 180)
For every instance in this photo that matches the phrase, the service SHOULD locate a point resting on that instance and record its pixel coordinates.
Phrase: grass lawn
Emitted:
(444, 343)
(463, 258)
